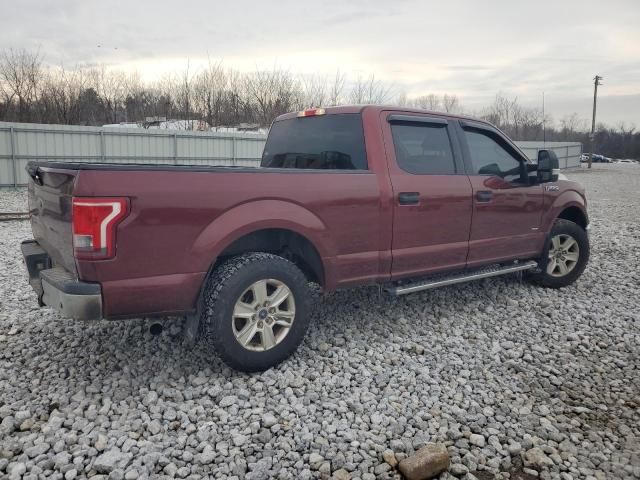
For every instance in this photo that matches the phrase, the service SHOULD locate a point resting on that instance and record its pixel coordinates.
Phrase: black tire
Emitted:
(224, 288)
(563, 227)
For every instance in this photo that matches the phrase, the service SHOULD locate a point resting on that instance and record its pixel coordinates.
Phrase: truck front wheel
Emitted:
(565, 255)
(255, 311)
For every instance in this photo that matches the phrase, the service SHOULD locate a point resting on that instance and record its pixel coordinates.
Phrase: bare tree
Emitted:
(571, 124)
(403, 100)
(111, 87)
(517, 121)
(169, 91)
(20, 75)
(428, 102)
(209, 93)
(60, 93)
(314, 90)
(184, 93)
(369, 91)
(32, 91)
(336, 88)
(274, 92)
(237, 107)
(451, 103)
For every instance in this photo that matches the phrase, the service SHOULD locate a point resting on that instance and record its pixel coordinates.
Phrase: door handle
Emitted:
(484, 195)
(408, 198)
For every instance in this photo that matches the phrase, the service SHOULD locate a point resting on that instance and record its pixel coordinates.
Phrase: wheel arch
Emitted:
(570, 205)
(576, 215)
(283, 242)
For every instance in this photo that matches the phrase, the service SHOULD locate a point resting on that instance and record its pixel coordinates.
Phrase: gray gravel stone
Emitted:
(458, 469)
(477, 440)
(207, 456)
(521, 367)
(269, 420)
(16, 469)
(228, 401)
(536, 457)
(110, 460)
(71, 474)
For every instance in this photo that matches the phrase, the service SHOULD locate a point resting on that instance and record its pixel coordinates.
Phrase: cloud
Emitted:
(470, 48)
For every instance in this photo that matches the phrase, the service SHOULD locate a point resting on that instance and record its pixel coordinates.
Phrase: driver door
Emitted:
(507, 209)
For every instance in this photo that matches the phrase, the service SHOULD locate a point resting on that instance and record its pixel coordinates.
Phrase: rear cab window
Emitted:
(324, 142)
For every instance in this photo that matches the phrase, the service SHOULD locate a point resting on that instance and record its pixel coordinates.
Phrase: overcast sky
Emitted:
(471, 48)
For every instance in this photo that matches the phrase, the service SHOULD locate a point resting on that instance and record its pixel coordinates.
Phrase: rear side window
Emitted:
(423, 148)
(323, 142)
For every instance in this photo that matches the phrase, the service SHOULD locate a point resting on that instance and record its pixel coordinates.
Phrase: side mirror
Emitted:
(548, 166)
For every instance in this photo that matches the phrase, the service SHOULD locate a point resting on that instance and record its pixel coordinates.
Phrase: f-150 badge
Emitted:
(551, 188)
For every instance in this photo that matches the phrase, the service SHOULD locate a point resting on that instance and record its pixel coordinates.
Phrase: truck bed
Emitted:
(182, 218)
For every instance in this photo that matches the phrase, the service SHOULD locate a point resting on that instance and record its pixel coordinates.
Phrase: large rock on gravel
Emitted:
(111, 460)
(477, 440)
(536, 458)
(207, 456)
(429, 461)
(38, 449)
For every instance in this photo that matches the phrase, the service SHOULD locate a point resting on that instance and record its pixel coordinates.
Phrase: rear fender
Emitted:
(259, 215)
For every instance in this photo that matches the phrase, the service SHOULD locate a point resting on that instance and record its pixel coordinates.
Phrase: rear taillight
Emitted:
(94, 225)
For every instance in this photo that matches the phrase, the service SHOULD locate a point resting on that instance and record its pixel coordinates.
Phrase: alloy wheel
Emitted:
(263, 315)
(564, 254)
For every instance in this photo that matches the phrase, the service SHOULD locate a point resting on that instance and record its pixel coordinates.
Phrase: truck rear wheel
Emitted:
(565, 256)
(256, 310)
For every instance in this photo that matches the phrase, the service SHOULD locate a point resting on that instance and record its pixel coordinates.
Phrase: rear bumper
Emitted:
(59, 289)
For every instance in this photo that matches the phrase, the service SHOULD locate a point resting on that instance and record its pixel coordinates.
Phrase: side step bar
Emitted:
(460, 278)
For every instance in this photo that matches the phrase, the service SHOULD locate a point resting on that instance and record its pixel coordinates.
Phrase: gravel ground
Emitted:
(13, 201)
(499, 370)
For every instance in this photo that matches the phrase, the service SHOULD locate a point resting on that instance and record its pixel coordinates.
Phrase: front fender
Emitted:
(559, 203)
(259, 215)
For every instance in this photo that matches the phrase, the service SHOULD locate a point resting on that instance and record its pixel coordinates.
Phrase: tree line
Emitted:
(31, 91)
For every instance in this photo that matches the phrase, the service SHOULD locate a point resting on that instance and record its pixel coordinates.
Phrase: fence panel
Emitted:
(23, 142)
(568, 153)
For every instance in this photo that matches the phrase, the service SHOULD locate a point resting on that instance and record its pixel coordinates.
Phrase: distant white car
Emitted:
(627, 160)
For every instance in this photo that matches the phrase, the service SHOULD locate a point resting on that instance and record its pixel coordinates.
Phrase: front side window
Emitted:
(489, 156)
(326, 142)
(423, 148)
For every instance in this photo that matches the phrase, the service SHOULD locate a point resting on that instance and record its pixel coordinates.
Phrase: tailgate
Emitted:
(50, 198)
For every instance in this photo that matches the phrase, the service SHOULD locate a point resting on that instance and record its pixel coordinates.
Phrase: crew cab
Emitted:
(345, 196)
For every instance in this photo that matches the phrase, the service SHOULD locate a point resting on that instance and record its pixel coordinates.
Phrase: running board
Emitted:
(460, 278)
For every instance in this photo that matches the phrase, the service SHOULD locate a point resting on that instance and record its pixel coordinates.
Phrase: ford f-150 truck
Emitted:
(345, 196)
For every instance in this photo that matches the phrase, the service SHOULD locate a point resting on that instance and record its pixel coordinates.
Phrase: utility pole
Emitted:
(596, 82)
(544, 126)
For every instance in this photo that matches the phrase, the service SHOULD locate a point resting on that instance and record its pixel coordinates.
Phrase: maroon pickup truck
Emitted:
(345, 196)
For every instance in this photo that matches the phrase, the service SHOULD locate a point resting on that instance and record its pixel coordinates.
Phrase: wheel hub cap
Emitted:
(564, 253)
(263, 315)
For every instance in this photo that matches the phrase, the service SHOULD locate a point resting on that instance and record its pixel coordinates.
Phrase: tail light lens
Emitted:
(94, 225)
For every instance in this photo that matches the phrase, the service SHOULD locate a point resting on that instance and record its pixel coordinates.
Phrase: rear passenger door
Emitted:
(431, 195)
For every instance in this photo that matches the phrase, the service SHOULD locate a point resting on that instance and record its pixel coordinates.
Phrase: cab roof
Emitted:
(381, 108)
